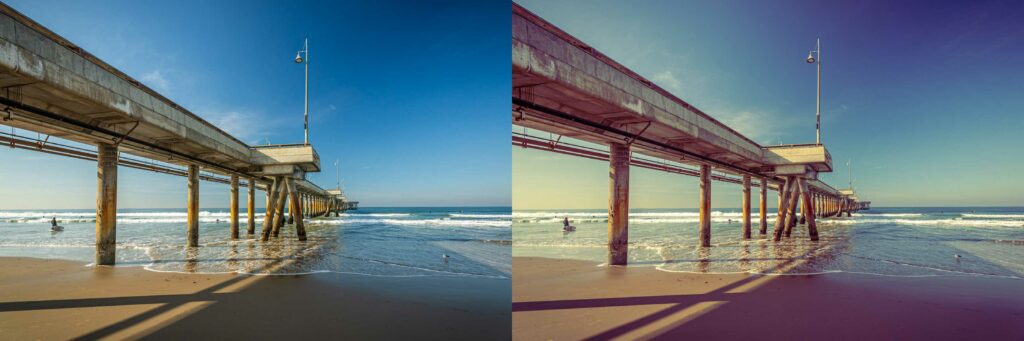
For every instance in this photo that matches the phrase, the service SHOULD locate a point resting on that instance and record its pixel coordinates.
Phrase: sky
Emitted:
(923, 96)
(410, 97)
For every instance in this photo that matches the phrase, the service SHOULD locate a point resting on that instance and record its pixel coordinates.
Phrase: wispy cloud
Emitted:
(156, 80)
(667, 80)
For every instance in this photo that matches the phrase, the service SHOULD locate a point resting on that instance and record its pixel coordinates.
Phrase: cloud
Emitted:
(243, 126)
(667, 80)
(758, 125)
(156, 80)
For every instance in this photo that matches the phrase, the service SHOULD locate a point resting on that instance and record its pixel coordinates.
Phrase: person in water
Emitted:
(54, 226)
(565, 222)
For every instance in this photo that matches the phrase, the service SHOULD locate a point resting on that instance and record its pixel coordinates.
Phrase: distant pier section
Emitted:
(563, 86)
(51, 86)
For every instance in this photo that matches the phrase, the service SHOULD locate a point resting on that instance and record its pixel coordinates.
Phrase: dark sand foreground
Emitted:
(53, 299)
(568, 300)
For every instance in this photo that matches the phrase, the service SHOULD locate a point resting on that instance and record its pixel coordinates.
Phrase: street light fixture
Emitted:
(305, 114)
(814, 57)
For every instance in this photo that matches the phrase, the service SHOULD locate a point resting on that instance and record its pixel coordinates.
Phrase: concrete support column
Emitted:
(251, 207)
(234, 207)
(812, 225)
(780, 220)
(280, 205)
(106, 204)
(792, 206)
(193, 206)
(296, 207)
(746, 207)
(618, 204)
(763, 206)
(268, 217)
(705, 206)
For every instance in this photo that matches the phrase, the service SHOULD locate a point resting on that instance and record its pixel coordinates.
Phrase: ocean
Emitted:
(381, 241)
(896, 241)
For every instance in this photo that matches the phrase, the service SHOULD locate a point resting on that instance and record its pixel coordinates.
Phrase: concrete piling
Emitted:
(106, 204)
(705, 206)
(812, 226)
(791, 206)
(746, 207)
(618, 204)
(279, 206)
(296, 206)
(251, 208)
(268, 217)
(780, 220)
(193, 206)
(234, 207)
(763, 206)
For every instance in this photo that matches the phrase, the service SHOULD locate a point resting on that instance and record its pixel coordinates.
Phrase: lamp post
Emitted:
(302, 57)
(338, 170)
(814, 57)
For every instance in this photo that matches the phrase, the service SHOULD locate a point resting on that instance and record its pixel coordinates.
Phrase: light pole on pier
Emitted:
(302, 57)
(338, 170)
(814, 57)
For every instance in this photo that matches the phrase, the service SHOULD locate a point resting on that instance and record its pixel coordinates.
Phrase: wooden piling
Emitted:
(251, 207)
(705, 206)
(268, 217)
(812, 226)
(780, 220)
(746, 207)
(618, 204)
(234, 207)
(296, 206)
(193, 206)
(106, 204)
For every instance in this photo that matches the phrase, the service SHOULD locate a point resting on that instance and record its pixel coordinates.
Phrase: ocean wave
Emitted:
(993, 216)
(416, 222)
(631, 214)
(956, 222)
(492, 216)
(890, 214)
(374, 215)
(640, 220)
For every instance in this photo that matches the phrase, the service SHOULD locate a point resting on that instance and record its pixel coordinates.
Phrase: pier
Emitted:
(562, 86)
(50, 86)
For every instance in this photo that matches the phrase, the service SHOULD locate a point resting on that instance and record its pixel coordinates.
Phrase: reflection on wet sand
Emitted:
(285, 254)
(797, 254)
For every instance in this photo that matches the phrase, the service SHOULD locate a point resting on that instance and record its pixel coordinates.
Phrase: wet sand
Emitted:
(55, 299)
(568, 300)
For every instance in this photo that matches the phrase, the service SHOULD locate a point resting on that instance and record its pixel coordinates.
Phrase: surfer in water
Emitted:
(54, 226)
(566, 227)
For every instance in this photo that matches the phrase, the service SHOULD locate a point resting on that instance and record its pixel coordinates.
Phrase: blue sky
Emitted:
(412, 98)
(924, 97)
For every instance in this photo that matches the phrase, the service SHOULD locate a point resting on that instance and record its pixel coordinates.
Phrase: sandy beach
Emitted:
(567, 300)
(56, 299)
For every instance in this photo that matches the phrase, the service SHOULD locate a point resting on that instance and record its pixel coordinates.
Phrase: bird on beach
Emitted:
(444, 256)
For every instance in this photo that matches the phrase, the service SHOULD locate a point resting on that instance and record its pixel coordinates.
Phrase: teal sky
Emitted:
(923, 97)
(406, 95)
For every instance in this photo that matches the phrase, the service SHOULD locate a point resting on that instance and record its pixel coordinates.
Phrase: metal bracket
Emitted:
(630, 140)
(118, 140)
